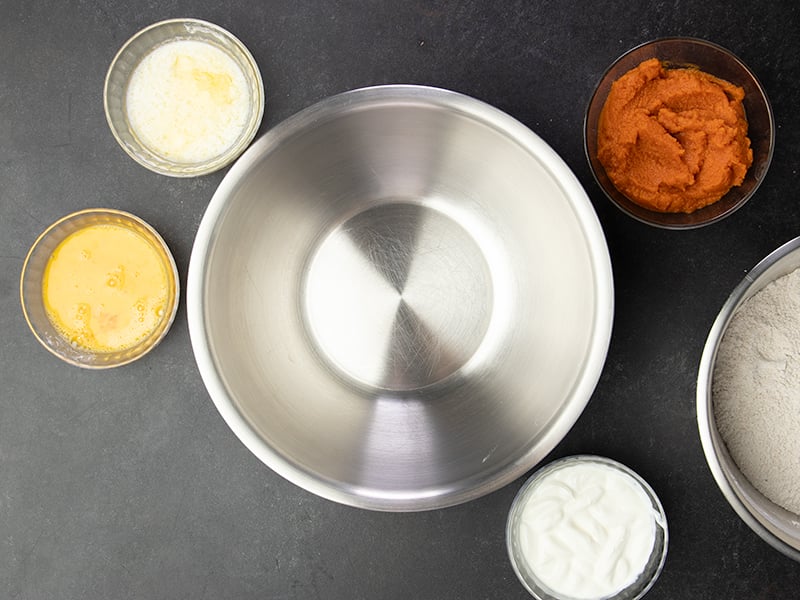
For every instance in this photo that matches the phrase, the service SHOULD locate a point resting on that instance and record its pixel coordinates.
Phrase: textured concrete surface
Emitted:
(127, 483)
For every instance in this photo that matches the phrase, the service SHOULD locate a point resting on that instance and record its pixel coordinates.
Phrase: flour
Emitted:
(756, 390)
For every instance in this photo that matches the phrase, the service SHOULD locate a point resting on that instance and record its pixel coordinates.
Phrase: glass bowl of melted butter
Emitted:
(183, 97)
(99, 288)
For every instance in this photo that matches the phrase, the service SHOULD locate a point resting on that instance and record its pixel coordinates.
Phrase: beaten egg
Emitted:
(106, 288)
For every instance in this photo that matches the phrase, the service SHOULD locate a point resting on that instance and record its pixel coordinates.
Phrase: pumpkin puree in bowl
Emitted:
(673, 139)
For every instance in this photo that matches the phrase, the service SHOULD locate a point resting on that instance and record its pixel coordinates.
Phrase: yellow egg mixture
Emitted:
(105, 288)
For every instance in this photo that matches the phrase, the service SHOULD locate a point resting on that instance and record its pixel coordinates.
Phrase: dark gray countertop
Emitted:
(128, 484)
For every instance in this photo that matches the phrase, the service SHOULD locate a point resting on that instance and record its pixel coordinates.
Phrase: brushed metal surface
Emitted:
(400, 298)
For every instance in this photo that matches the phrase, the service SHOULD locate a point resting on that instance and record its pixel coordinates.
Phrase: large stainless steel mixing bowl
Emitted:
(400, 298)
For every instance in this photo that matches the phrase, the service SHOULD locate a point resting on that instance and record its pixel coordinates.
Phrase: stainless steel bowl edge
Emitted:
(432, 495)
(737, 490)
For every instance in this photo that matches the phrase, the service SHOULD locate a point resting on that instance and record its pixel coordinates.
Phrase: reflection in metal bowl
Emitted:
(400, 298)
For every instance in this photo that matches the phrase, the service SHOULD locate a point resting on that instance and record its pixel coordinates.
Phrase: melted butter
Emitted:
(189, 72)
(188, 101)
(105, 288)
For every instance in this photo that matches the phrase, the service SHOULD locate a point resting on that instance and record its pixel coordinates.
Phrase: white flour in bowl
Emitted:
(756, 390)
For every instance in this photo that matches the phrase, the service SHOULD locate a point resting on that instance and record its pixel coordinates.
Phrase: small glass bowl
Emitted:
(129, 57)
(31, 292)
(717, 61)
(655, 562)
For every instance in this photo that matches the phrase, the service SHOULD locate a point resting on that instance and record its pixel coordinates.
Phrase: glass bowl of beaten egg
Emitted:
(705, 180)
(184, 97)
(586, 527)
(99, 288)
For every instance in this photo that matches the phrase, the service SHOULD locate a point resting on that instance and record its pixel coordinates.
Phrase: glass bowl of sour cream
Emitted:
(586, 528)
(184, 97)
(99, 288)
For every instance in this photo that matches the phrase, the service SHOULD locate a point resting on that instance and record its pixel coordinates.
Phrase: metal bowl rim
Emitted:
(369, 498)
(704, 406)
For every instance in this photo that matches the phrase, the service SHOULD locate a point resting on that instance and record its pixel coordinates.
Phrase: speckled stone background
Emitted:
(127, 483)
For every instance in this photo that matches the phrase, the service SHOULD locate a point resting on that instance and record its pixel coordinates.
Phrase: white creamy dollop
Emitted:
(587, 530)
(188, 101)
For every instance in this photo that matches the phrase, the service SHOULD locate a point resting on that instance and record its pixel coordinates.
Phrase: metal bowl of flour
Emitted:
(773, 523)
(400, 298)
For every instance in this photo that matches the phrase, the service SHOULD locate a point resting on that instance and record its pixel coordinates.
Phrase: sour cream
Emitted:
(586, 530)
(188, 101)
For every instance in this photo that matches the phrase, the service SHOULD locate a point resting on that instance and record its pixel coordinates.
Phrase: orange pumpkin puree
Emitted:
(673, 139)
